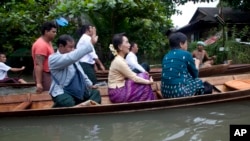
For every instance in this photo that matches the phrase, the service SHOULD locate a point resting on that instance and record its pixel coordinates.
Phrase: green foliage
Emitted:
(20, 22)
(144, 21)
(194, 1)
(239, 4)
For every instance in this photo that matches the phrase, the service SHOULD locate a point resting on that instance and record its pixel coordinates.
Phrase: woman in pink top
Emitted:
(123, 84)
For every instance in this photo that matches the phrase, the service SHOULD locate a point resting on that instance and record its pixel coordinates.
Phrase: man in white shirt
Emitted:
(5, 68)
(88, 61)
(132, 60)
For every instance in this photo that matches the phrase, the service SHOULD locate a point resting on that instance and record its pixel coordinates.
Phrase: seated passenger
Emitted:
(179, 74)
(70, 85)
(4, 70)
(201, 54)
(123, 84)
(132, 60)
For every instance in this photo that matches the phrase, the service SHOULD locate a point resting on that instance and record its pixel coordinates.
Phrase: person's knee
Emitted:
(64, 101)
(96, 96)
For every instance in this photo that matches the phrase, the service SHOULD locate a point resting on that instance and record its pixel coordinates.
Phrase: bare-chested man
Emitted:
(202, 55)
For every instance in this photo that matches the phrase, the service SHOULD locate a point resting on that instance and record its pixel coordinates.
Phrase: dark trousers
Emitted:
(67, 100)
(46, 80)
(145, 66)
(89, 70)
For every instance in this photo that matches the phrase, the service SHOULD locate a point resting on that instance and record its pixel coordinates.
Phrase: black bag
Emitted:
(208, 88)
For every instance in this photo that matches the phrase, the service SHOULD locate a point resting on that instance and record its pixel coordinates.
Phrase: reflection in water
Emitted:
(200, 123)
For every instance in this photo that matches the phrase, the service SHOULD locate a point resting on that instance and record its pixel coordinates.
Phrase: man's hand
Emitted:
(151, 81)
(94, 37)
(23, 67)
(39, 88)
(94, 87)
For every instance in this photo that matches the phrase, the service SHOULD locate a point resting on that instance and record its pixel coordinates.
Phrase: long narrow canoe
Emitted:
(215, 70)
(40, 104)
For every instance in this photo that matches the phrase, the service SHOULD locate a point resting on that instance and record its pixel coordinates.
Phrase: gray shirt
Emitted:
(62, 69)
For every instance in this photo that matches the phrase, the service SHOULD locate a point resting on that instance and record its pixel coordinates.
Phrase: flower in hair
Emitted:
(113, 50)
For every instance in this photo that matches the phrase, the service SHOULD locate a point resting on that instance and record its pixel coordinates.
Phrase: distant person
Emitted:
(179, 73)
(41, 50)
(89, 60)
(132, 60)
(201, 54)
(124, 85)
(70, 85)
(5, 68)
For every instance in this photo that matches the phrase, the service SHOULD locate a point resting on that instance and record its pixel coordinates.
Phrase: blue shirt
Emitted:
(62, 68)
(178, 66)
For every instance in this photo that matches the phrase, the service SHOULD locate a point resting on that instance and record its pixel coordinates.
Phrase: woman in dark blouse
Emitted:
(179, 72)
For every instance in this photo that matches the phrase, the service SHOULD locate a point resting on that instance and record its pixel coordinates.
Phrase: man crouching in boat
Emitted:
(70, 85)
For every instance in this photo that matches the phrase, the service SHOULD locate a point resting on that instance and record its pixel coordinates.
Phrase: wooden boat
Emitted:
(214, 70)
(156, 72)
(237, 68)
(40, 104)
(18, 85)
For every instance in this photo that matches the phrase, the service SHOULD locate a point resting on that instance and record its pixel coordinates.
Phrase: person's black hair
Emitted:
(83, 29)
(170, 31)
(175, 39)
(48, 26)
(132, 45)
(117, 40)
(63, 39)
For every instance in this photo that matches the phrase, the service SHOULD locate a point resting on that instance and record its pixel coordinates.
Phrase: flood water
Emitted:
(198, 123)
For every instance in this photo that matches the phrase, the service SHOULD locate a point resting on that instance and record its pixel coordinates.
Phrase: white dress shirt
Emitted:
(88, 58)
(132, 61)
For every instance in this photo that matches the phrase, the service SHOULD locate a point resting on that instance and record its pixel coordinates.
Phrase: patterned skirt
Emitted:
(132, 91)
(192, 87)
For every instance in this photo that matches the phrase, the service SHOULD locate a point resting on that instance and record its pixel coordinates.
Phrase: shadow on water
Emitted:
(200, 123)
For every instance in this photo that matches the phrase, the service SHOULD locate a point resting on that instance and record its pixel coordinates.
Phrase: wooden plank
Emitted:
(22, 106)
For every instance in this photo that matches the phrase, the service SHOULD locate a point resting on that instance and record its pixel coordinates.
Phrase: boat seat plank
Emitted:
(222, 88)
(217, 80)
(22, 106)
(14, 98)
(239, 84)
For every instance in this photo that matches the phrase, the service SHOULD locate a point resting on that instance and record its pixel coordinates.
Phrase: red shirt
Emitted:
(41, 47)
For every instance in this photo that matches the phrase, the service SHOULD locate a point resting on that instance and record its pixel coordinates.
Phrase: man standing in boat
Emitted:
(70, 85)
(89, 60)
(41, 50)
(201, 54)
